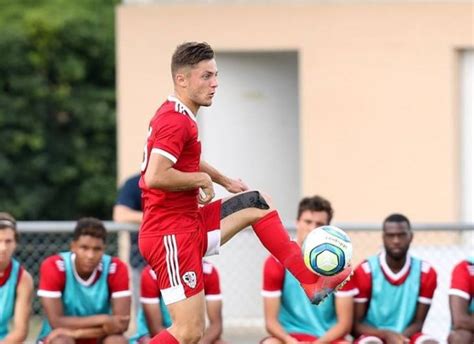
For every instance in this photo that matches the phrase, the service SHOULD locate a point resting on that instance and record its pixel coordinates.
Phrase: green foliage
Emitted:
(57, 108)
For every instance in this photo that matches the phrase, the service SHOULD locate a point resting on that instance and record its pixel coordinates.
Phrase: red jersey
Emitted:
(462, 281)
(150, 293)
(53, 278)
(363, 279)
(173, 133)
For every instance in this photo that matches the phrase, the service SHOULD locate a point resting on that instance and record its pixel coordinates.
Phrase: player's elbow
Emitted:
(124, 323)
(358, 328)
(23, 335)
(218, 329)
(270, 324)
(124, 327)
(346, 326)
(156, 180)
(153, 181)
(55, 322)
(460, 322)
(18, 335)
(118, 214)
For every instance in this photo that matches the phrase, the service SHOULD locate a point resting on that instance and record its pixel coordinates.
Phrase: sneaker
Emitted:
(326, 285)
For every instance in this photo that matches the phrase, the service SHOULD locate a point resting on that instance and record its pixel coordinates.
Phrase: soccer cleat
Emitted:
(326, 285)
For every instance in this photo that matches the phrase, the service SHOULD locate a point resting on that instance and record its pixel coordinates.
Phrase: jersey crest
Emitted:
(190, 279)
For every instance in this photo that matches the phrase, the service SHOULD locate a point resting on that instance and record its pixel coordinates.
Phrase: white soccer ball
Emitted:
(327, 250)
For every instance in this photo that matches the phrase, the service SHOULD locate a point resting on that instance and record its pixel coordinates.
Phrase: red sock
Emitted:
(164, 337)
(275, 238)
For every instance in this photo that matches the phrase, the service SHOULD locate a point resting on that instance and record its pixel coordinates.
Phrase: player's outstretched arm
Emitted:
(344, 314)
(24, 293)
(231, 185)
(462, 320)
(160, 174)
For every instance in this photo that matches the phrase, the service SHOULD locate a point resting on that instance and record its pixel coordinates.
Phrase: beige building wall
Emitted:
(378, 93)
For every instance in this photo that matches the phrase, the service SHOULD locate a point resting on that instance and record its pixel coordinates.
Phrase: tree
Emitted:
(57, 109)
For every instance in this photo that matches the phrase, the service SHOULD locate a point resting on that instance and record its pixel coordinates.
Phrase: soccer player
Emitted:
(289, 316)
(84, 292)
(154, 317)
(395, 290)
(16, 286)
(175, 233)
(461, 302)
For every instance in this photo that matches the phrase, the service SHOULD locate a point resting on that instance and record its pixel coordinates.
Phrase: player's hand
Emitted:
(206, 191)
(235, 185)
(115, 324)
(395, 338)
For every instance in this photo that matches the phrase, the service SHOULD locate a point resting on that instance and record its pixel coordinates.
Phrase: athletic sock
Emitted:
(269, 229)
(164, 337)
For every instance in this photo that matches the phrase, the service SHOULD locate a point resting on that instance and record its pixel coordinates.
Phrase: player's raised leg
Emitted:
(252, 208)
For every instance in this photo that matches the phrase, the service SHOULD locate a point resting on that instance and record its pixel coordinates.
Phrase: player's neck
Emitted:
(83, 275)
(395, 264)
(187, 102)
(3, 267)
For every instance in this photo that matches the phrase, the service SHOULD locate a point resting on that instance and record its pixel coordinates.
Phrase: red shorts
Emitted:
(177, 258)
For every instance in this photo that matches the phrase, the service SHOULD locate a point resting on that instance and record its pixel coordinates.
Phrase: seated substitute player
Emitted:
(395, 290)
(84, 292)
(461, 303)
(175, 233)
(289, 316)
(16, 286)
(154, 317)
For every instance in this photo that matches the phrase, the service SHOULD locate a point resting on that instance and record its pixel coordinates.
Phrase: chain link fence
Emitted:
(241, 260)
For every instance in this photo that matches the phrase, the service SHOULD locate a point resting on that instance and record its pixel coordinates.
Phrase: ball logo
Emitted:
(336, 232)
(327, 250)
(190, 279)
